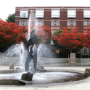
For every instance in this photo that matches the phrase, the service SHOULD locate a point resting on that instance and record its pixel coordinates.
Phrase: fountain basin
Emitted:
(41, 78)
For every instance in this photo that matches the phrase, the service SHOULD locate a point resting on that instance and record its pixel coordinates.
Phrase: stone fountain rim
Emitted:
(50, 84)
(47, 70)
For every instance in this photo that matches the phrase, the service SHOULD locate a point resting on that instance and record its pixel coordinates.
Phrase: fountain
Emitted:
(28, 53)
(31, 54)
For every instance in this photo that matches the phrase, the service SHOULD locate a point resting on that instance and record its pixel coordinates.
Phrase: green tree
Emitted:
(11, 18)
(57, 33)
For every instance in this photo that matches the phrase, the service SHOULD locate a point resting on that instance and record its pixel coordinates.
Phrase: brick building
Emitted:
(55, 17)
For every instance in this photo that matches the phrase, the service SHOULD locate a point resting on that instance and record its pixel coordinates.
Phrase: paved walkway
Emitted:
(76, 85)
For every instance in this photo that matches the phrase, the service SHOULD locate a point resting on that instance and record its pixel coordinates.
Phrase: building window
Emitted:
(55, 13)
(20, 23)
(36, 23)
(40, 13)
(68, 23)
(71, 13)
(87, 13)
(52, 23)
(74, 23)
(23, 13)
(25, 23)
(57, 23)
(89, 22)
(41, 22)
(85, 23)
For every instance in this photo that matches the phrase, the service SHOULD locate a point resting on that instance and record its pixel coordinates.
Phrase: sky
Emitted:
(8, 6)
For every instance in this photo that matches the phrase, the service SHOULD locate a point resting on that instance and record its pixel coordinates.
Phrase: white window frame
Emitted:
(25, 23)
(39, 13)
(86, 13)
(68, 23)
(55, 13)
(20, 23)
(52, 23)
(57, 23)
(85, 23)
(24, 13)
(71, 13)
(74, 23)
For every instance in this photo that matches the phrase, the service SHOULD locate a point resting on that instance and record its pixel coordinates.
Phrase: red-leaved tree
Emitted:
(43, 33)
(85, 36)
(69, 39)
(10, 33)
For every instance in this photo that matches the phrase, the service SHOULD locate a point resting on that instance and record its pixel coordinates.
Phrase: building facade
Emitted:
(55, 17)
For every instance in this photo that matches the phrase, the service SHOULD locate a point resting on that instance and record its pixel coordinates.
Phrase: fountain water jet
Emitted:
(30, 46)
